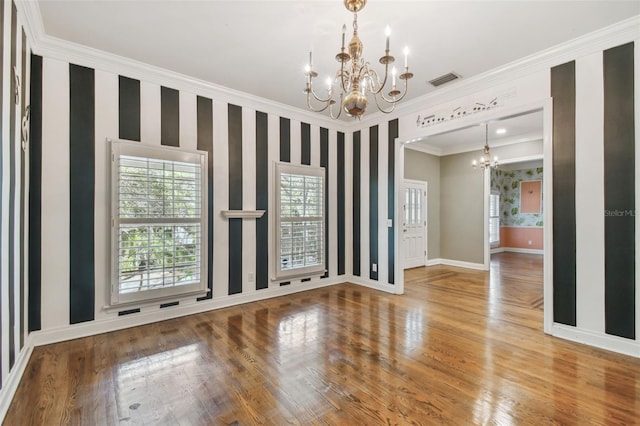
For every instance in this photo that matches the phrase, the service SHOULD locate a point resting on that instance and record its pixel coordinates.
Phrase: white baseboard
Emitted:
(12, 381)
(386, 287)
(599, 340)
(463, 264)
(434, 262)
(75, 331)
(497, 250)
(456, 263)
(517, 250)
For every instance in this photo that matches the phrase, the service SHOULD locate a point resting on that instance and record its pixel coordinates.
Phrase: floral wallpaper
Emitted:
(507, 182)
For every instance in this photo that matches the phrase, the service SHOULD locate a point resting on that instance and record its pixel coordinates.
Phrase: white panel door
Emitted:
(414, 229)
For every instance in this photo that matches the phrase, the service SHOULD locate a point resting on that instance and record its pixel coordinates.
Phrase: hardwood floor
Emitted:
(458, 348)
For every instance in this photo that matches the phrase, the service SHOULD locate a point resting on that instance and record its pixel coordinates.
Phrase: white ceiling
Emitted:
(260, 47)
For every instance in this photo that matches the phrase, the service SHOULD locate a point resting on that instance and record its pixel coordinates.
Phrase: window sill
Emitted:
(156, 301)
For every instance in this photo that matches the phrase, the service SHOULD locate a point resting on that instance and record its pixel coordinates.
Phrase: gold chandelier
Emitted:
(485, 161)
(355, 79)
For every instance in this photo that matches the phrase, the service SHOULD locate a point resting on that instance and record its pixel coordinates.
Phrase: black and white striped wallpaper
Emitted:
(594, 245)
(14, 195)
(373, 212)
(77, 108)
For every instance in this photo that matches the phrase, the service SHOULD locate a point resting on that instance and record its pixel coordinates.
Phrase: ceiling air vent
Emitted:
(439, 81)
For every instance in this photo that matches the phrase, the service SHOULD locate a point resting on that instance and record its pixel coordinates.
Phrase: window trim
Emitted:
(138, 149)
(278, 273)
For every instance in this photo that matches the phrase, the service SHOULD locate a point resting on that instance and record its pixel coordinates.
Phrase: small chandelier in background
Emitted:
(485, 161)
(355, 79)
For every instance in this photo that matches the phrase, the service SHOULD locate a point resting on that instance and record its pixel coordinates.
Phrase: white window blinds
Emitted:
(300, 223)
(494, 219)
(158, 222)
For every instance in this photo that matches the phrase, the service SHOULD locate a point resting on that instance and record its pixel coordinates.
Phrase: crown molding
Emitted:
(31, 19)
(596, 41)
(45, 45)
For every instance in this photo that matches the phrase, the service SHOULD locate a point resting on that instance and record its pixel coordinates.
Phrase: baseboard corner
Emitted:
(12, 381)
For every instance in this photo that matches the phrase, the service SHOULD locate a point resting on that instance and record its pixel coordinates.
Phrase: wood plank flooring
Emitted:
(460, 347)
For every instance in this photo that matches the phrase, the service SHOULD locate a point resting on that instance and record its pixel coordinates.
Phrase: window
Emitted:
(413, 206)
(300, 222)
(494, 218)
(159, 222)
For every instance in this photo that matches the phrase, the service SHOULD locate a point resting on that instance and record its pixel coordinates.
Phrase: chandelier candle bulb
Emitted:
(406, 56)
(387, 33)
(393, 76)
(344, 30)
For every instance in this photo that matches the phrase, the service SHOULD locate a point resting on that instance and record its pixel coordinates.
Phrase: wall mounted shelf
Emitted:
(242, 214)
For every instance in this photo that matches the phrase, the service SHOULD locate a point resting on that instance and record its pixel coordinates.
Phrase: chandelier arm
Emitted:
(398, 99)
(327, 103)
(372, 76)
(380, 86)
(404, 91)
(343, 73)
(343, 76)
(380, 108)
(319, 99)
(387, 100)
(339, 109)
(395, 99)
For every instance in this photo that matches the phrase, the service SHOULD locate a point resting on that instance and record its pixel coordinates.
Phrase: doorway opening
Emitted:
(516, 214)
(460, 234)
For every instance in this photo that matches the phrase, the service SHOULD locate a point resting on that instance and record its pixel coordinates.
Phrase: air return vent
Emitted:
(439, 81)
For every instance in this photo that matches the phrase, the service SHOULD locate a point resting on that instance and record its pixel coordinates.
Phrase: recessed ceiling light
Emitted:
(501, 131)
